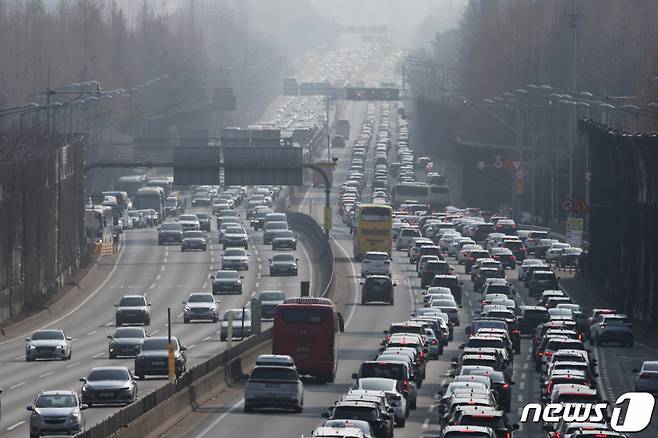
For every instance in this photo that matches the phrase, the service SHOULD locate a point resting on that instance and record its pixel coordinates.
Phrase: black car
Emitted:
(453, 283)
(541, 281)
(381, 422)
(204, 221)
(153, 357)
(512, 324)
(378, 288)
(504, 256)
(108, 386)
(133, 309)
(283, 264)
(481, 231)
(531, 317)
(284, 239)
(194, 240)
(170, 232)
(268, 300)
(432, 269)
(227, 281)
(126, 341)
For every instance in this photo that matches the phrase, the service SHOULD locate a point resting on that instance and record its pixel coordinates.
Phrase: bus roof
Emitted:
(388, 207)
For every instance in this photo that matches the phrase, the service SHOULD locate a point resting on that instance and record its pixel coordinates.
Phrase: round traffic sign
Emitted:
(480, 165)
(498, 164)
(566, 205)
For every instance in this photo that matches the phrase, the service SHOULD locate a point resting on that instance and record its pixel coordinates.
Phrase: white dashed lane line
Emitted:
(49, 373)
(97, 355)
(71, 365)
(14, 426)
(18, 385)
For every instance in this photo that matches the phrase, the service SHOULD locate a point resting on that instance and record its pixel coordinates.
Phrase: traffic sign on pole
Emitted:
(480, 165)
(516, 164)
(581, 207)
(520, 186)
(498, 164)
(566, 205)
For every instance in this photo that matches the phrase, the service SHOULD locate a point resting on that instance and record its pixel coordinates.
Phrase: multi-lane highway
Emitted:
(166, 276)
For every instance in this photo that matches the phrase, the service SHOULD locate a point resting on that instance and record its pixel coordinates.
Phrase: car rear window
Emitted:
(543, 276)
(493, 421)
(273, 373)
(386, 370)
(378, 257)
(539, 314)
(355, 413)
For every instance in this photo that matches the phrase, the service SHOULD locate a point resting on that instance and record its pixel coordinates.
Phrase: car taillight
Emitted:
(516, 331)
(506, 386)
(513, 258)
(548, 388)
(405, 385)
(581, 338)
(434, 342)
(522, 249)
(499, 226)
(548, 353)
(540, 354)
(496, 257)
(422, 355)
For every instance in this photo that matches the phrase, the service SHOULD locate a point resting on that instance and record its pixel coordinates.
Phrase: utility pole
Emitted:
(573, 15)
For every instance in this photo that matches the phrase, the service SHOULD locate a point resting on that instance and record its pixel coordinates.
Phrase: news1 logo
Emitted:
(636, 414)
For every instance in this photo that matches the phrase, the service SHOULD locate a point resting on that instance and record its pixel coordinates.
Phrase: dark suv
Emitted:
(452, 282)
(170, 232)
(133, 309)
(378, 288)
(531, 317)
(433, 268)
(153, 357)
(541, 281)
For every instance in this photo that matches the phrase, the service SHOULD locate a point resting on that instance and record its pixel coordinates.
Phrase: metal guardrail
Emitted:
(323, 256)
(150, 401)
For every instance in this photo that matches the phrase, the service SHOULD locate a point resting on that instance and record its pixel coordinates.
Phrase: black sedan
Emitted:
(126, 341)
(152, 359)
(284, 239)
(108, 386)
(194, 240)
(283, 264)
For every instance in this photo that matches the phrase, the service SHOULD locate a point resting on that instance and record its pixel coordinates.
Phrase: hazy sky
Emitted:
(403, 16)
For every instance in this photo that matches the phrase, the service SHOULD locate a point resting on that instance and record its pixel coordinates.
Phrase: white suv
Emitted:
(376, 263)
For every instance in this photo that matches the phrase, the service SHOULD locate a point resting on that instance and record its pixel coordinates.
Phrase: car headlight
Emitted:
(75, 414)
(60, 347)
(31, 347)
(187, 309)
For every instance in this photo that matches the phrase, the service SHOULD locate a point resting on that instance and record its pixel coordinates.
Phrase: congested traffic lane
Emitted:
(167, 276)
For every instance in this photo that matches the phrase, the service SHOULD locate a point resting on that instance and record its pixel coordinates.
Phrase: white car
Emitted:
(274, 387)
(189, 222)
(555, 251)
(375, 262)
(200, 305)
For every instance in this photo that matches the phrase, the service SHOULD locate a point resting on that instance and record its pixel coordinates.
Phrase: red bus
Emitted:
(305, 328)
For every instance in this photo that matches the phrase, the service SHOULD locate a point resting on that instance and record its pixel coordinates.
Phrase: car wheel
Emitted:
(112, 355)
(248, 409)
(29, 359)
(412, 404)
(401, 422)
(630, 343)
(117, 323)
(363, 301)
(140, 376)
(182, 249)
(222, 338)
(147, 321)
(215, 319)
(299, 409)
(391, 302)
(186, 320)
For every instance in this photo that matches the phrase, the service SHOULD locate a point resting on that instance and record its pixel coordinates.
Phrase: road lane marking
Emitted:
(179, 315)
(14, 426)
(257, 284)
(93, 332)
(426, 423)
(152, 286)
(205, 339)
(430, 409)
(22, 356)
(253, 294)
(260, 267)
(258, 258)
(155, 332)
(18, 385)
(49, 373)
(71, 365)
(164, 261)
(520, 398)
(212, 259)
(211, 426)
(107, 324)
(521, 385)
(157, 277)
(162, 268)
(97, 355)
(204, 285)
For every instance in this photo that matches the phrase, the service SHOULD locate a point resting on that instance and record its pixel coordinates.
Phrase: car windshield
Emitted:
(203, 216)
(193, 235)
(278, 258)
(234, 230)
(56, 401)
(108, 374)
(277, 226)
(376, 256)
(170, 226)
(132, 302)
(153, 344)
(386, 370)
(129, 332)
(201, 298)
(234, 252)
(189, 217)
(272, 296)
(650, 366)
(47, 335)
(283, 234)
(543, 276)
(227, 274)
(615, 321)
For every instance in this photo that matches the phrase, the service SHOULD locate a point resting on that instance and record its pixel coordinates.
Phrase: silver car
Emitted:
(274, 387)
(48, 344)
(201, 305)
(647, 379)
(235, 258)
(241, 323)
(56, 413)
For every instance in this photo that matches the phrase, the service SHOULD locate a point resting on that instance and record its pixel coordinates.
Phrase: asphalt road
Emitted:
(163, 273)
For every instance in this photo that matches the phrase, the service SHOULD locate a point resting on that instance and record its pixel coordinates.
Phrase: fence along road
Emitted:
(167, 277)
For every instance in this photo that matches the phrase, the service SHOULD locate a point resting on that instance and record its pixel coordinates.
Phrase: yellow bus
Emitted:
(373, 229)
